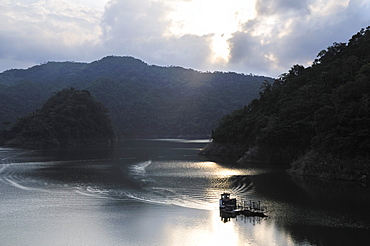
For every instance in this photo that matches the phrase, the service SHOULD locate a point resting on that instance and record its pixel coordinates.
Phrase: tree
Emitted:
(324, 108)
(70, 117)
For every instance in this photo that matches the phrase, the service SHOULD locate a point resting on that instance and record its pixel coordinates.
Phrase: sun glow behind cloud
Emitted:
(217, 18)
(264, 37)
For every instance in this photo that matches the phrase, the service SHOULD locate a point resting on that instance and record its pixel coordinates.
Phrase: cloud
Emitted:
(53, 20)
(266, 38)
(134, 19)
(271, 7)
(37, 31)
(284, 33)
(140, 28)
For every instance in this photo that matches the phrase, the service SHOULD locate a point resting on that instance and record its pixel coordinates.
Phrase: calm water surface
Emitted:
(159, 192)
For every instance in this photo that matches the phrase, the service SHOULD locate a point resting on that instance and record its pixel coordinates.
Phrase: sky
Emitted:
(262, 37)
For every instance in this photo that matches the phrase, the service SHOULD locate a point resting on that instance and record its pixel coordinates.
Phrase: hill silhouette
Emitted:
(143, 100)
(70, 117)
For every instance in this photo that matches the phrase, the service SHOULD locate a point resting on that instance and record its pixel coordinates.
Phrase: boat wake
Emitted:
(185, 183)
(189, 184)
(10, 173)
(139, 170)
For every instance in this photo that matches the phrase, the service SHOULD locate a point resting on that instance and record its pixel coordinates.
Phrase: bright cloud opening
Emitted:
(216, 17)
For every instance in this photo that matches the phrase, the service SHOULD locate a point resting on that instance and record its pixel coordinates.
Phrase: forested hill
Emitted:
(70, 117)
(143, 100)
(321, 112)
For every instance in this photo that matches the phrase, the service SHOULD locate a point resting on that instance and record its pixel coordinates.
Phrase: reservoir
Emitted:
(160, 192)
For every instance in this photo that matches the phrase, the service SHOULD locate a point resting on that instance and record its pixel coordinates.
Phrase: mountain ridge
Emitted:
(143, 100)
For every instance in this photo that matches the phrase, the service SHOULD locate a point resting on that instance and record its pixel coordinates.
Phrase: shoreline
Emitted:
(312, 164)
(327, 166)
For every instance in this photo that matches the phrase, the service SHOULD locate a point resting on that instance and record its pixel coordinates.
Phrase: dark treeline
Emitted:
(317, 115)
(143, 100)
(70, 117)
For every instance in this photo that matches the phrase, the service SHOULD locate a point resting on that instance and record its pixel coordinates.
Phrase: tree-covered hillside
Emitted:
(70, 117)
(143, 100)
(321, 112)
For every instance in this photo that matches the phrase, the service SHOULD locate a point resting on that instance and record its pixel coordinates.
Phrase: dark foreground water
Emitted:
(159, 192)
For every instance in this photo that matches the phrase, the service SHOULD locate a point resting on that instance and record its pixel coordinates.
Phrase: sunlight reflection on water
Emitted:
(164, 194)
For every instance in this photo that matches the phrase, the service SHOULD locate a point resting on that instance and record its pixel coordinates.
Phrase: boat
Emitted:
(227, 203)
(229, 208)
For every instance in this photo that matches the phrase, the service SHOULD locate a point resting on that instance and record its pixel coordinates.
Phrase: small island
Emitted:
(69, 118)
